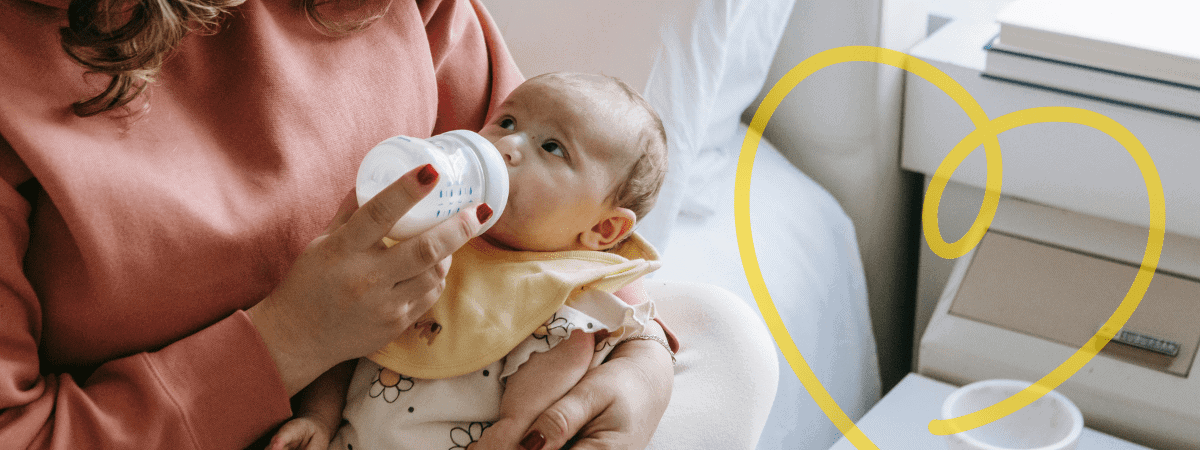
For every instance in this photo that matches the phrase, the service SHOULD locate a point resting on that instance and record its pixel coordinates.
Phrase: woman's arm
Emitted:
(221, 387)
(225, 380)
(215, 388)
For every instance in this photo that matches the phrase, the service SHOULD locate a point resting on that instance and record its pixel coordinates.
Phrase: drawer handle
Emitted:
(1147, 342)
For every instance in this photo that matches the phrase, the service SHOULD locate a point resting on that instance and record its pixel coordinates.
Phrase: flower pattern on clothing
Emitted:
(604, 340)
(462, 437)
(397, 412)
(390, 384)
(556, 327)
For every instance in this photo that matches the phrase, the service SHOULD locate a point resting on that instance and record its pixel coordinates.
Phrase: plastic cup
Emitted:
(1052, 422)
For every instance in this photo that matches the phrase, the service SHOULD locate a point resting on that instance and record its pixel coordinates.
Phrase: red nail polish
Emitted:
(427, 175)
(533, 441)
(483, 213)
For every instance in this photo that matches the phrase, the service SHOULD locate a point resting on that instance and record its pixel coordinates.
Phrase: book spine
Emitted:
(1094, 82)
(1099, 54)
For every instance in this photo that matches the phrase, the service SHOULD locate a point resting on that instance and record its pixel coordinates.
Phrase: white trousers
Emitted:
(726, 372)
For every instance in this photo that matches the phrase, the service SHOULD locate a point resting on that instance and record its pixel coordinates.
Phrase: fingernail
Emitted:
(427, 175)
(483, 213)
(533, 441)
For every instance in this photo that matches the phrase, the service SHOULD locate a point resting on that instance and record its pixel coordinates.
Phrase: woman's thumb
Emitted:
(561, 421)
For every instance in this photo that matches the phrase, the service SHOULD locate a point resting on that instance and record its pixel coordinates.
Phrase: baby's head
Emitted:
(586, 157)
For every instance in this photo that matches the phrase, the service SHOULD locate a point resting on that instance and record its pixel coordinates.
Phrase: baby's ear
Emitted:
(613, 227)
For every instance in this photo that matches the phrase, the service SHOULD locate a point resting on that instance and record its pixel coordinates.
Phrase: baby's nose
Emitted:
(510, 146)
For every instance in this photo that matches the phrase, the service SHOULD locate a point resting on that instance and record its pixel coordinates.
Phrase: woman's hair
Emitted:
(128, 40)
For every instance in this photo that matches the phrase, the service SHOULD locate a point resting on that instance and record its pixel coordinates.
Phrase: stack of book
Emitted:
(1141, 53)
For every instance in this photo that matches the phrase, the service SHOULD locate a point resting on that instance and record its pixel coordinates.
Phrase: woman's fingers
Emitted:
(434, 246)
(348, 295)
(371, 222)
(603, 440)
(566, 417)
(345, 210)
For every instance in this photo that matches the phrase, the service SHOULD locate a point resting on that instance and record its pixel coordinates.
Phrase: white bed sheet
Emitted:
(810, 261)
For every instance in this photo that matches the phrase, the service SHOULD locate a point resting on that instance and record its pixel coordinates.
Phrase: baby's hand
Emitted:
(301, 433)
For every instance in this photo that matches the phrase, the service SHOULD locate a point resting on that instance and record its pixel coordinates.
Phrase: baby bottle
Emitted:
(470, 170)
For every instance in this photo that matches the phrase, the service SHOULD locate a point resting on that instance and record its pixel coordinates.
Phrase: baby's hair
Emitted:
(638, 189)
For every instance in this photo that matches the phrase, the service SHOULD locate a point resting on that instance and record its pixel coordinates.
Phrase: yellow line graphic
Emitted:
(985, 133)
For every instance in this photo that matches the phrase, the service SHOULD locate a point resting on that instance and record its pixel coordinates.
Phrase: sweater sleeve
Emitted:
(217, 388)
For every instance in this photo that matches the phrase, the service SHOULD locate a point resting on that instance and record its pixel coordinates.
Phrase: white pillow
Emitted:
(713, 63)
(810, 262)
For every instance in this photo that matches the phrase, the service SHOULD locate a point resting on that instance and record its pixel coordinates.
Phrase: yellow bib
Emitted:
(495, 298)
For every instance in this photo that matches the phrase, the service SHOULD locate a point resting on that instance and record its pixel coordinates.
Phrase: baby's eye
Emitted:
(508, 124)
(553, 148)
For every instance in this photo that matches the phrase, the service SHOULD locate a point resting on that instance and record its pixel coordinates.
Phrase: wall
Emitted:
(841, 126)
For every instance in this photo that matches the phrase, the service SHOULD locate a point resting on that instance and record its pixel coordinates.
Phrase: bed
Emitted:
(704, 65)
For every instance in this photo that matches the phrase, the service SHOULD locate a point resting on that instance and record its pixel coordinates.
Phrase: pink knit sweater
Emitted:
(130, 245)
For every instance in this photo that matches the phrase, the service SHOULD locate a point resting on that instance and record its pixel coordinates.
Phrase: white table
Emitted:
(901, 420)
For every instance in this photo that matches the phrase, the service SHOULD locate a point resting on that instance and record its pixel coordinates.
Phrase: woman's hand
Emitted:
(348, 294)
(616, 405)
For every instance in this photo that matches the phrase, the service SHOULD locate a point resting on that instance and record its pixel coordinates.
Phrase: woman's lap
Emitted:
(727, 370)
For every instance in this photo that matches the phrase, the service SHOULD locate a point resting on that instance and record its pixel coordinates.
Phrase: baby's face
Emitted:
(566, 148)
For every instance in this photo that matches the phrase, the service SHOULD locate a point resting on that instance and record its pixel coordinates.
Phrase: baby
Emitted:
(586, 157)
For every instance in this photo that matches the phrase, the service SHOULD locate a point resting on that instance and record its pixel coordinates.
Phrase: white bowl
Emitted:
(1050, 423)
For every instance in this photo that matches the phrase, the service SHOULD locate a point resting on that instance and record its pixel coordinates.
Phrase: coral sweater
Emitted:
(129, 246)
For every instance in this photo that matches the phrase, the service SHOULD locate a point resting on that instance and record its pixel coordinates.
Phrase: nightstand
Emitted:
(901, 420)
(1068, 187)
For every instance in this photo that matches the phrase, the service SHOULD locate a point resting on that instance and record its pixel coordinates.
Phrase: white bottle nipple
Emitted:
(470, 171)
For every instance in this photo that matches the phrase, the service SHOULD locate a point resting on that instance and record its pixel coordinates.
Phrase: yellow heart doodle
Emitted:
(985, 133)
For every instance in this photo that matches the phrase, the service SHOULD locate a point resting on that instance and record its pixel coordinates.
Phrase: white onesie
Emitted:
(386, 409)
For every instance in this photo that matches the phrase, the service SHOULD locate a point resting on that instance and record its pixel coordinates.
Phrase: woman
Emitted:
(142, 231)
